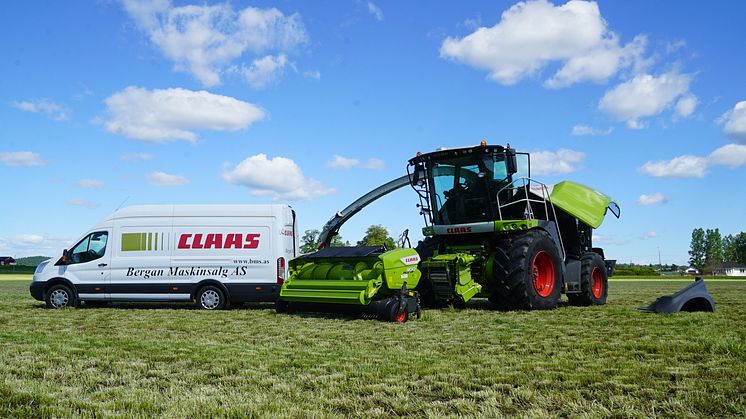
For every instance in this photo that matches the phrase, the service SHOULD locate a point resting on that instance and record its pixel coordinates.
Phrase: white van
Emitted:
(212, 254)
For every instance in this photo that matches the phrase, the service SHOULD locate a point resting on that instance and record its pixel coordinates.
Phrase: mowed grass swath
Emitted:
(171, 360)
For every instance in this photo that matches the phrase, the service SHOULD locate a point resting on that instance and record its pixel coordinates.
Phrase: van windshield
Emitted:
(92, 247)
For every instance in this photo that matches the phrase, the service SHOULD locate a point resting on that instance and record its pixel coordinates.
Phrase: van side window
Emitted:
(92, 247)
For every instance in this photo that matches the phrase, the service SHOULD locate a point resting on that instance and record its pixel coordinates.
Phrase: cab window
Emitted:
(92, 247)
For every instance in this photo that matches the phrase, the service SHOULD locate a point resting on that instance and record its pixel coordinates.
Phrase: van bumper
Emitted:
(253, 292)
(37, 290)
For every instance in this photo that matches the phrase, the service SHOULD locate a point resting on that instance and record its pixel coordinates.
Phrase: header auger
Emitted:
(490, 231)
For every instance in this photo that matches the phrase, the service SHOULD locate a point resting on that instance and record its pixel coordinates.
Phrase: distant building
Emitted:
(7, 261)
(729, 269)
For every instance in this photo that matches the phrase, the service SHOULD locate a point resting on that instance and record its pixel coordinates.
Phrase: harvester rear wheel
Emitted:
(594, 282)
(528, 272)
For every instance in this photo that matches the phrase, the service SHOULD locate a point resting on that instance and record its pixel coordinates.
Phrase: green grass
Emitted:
(133, 360)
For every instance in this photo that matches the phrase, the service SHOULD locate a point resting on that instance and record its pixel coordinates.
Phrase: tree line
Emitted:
(375, 235)
(709, 248)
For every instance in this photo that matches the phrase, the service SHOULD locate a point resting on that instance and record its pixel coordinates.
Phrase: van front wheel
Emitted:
(210, 298)
(60, 296)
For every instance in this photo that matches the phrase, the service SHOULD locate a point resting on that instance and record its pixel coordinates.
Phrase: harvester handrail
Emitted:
(529, 212)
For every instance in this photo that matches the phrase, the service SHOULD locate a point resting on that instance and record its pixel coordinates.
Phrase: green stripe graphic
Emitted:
(137, 242)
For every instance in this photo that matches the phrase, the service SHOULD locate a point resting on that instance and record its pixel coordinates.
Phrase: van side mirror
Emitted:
(65, 260)
(511, 162)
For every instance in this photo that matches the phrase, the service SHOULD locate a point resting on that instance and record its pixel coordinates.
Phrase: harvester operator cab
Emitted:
(459, 186)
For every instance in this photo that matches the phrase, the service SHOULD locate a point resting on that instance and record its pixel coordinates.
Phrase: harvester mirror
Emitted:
(614, 208)
(511, 162)
(417, 174)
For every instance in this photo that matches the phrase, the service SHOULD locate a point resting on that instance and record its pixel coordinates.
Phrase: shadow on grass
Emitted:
(155, 305)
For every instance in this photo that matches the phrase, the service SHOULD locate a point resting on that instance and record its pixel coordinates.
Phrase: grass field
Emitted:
(144, 360)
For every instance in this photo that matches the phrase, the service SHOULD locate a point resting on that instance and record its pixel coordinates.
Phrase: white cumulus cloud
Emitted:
(136, 156)
(90, 184)
(45, 106)
(686, 105)
(648, 235)
(78, 202)
(594, 132)
(729, 155)
(645, 95)
(166, 179)
(204, 40)
(734, 122)
(374, 163)
(652, 199)
(534, 34)
(375, 11)
(561, 162)
(340, 162)
(163, 115)
(21, 159)
(265, 70)
(678, 167)
(29, 238)
(279, 178)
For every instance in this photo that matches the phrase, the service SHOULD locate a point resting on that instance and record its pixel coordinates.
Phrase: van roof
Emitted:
(197, 211)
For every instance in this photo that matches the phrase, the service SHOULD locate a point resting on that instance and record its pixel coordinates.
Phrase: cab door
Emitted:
(88, 267)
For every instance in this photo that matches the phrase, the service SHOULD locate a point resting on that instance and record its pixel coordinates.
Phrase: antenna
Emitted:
(120, 205)
(659, 257)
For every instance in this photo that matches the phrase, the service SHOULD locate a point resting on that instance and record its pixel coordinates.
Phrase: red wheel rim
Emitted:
(542, 273)
(598, 283)
(401, 317)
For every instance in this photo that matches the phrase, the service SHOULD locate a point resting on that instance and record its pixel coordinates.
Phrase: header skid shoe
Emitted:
(693, 297)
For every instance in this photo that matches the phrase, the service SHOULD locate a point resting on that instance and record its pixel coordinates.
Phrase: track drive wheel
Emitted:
(282, 306)
(528, 272)
(594, 282)
(395, 312)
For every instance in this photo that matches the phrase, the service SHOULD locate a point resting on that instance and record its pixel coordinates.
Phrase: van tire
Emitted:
(59, 296)
(211, 298)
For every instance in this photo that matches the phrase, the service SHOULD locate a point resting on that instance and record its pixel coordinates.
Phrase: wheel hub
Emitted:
(597, 289)
(210, 299)
(59, 298)
(542, 273)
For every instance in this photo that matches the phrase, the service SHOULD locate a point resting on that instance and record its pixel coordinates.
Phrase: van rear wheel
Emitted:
(211, 298)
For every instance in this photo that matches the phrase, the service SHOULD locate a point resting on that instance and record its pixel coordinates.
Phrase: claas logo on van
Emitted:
(160, 241)
(219, 241)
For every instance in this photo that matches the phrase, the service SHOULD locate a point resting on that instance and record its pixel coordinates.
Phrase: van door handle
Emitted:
(101, 265)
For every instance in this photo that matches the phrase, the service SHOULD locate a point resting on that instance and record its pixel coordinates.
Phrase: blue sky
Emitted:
(315, 103)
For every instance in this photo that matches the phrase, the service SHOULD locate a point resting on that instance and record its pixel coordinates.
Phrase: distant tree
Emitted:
(729, 248)
(713, 247)
(697, 249)
(309, 241)
(740, 248)
(377, 235)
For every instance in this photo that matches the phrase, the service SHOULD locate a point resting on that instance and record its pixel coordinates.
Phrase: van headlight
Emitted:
(40, 267)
